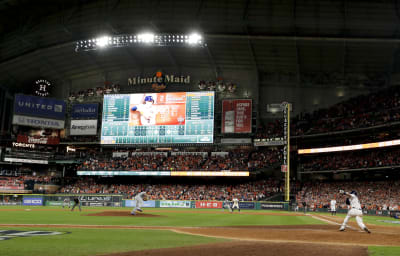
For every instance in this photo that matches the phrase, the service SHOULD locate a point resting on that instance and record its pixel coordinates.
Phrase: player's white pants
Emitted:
(333, 209)
(139, 203)
(354, 213)
(235, 206)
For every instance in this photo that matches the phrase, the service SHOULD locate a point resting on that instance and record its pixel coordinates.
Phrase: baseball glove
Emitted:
(347, 201)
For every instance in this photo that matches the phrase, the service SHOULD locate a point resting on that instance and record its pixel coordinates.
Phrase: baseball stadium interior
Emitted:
(264, 101)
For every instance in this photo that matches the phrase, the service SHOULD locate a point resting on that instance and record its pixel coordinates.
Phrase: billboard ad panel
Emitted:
(132, 203)
(236, 116)
(209, 204)
(175, 204)
(158, 118)
(85, 111)
(38, 140)
(39, 107)
(83, 127)
(32, 201)
(38, 122)
(272, 206)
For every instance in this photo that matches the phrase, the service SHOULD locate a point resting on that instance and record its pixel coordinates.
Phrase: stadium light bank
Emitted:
(143, 39)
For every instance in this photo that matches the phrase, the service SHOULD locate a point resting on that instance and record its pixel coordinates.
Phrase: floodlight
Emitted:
(146, 37)
(194, 39)
(102, 41)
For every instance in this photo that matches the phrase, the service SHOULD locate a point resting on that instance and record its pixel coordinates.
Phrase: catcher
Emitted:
(139, 198)
(354, 211)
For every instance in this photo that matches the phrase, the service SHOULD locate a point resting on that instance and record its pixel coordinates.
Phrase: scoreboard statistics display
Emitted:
(158, 118)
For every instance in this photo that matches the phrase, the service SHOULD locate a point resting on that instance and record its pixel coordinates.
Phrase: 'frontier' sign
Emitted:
(138, 80)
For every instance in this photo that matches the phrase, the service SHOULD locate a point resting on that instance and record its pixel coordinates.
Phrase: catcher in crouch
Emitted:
(139, 198)
(354, 211)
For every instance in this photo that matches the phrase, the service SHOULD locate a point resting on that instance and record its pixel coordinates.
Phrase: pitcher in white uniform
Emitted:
(354, 211)
(139, 202)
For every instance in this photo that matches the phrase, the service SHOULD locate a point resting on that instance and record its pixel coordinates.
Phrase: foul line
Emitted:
(331, 222)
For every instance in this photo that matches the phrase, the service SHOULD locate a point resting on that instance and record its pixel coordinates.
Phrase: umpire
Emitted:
(76, 203)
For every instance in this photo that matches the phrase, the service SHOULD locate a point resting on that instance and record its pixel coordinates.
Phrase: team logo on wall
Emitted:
(9, 234)
(42, 88)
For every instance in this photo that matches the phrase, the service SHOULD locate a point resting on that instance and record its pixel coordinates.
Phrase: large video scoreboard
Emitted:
(159, 118)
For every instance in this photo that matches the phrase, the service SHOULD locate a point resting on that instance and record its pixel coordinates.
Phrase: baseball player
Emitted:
(139, 198)
(235, 204)
(147, 111)
(354, 211)
(227, 205)
(333, 206)
(66, 202)
(76, 203)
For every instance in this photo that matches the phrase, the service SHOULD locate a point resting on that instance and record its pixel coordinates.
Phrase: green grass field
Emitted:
(80, 241)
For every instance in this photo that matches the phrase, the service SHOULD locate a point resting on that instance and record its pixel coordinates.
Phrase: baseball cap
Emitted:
(148, 98)
(353, 192)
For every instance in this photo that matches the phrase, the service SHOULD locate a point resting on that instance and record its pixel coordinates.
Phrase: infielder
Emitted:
(147, 111)
(355, 211)
(333, 206)
(227, 205)
(235, 204)
(76, 203)
(67, 202)
(139, 198)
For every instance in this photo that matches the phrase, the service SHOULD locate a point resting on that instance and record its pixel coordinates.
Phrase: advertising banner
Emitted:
(84, 111)
(272, 206)
(236, 140)
(23, 160)
(32, 201)
(38, 122)
(236, 116)
(125, 173)
(132, 203)
(83, 127)
(209, 204)
(38, 140)
(175, 204)
(120, 154)
(211, 173)
(39, 107)
(247, 205)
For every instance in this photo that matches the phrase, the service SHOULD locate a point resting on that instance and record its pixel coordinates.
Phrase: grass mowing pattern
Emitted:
(84, 242)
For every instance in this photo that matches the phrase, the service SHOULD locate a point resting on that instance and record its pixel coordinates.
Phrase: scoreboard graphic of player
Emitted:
(158, 118)
(157, 109)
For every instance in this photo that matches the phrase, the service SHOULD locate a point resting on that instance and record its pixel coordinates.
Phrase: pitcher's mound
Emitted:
(122, 214)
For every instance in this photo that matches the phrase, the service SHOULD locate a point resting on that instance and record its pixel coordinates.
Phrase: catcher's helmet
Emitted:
(353, 192)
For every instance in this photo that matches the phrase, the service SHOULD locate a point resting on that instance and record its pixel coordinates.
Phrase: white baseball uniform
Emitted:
(147, 113)
(227, 205)
(333, 206)
(235, 204)
(139, 202)
(354, 211)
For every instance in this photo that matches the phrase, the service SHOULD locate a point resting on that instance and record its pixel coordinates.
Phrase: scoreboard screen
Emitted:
(158, 118)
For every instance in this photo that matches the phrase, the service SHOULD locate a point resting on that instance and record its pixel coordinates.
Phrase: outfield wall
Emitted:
(118, 201)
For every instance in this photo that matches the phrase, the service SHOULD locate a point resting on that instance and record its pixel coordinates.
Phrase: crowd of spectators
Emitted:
(359, 112)
(26, 182)
(249, 191)
(237, 160)
(351, 160)
(373, 195)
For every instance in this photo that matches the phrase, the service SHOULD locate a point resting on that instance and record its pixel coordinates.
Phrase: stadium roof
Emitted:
(320, 42)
